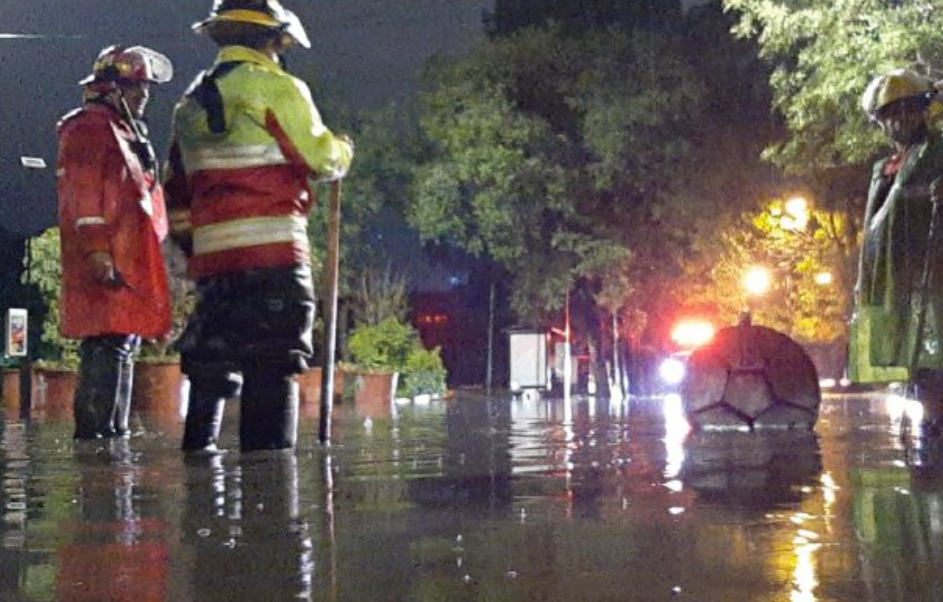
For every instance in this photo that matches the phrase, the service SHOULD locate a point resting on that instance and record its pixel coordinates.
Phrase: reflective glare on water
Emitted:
(483, 500)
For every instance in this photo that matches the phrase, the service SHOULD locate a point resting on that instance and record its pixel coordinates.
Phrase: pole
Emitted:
(489, 374)
(616, 361)
(567, 353)
(925, 280)
(331, 272)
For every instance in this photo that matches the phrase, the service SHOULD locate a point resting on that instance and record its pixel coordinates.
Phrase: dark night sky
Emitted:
(365, 53)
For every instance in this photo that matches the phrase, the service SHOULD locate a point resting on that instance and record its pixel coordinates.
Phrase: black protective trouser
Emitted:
(929, 391)
(257, 323)
(103, 398)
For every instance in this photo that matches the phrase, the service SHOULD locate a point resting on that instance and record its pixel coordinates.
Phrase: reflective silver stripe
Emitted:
(233, 157)
(249, 232)
(89, 221)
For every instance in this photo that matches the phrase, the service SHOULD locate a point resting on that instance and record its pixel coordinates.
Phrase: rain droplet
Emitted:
(676, 590)
(467, 579)
(510, 575)
(204, 532)
(458, 538)
(523, 514)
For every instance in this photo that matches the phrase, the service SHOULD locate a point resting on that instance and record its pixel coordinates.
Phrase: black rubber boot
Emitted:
(95, 403)
(929, 391)
(204, 419)
(123, 395)
(268, 417)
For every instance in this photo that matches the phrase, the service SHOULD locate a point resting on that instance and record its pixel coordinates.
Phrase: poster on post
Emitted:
(17, 323)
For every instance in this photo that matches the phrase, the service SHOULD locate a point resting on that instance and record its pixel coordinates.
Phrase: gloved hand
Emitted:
(102, 266)
(347, 139)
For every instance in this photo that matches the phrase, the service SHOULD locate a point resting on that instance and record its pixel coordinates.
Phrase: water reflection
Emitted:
(898, 521)
(758, 471)
(109, 549)
(243, 533)
(482, 499)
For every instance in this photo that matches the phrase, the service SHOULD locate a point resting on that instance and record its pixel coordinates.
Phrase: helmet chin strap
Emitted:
(142, 144)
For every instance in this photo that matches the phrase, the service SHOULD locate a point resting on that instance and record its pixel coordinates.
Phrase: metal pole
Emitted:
(925, 280)
(332, 270)
(489, 374)
(567, 353)
(616, 367)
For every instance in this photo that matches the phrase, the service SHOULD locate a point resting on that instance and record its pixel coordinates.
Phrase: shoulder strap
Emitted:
(206, 92)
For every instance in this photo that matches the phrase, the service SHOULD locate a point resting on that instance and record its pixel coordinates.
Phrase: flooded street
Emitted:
(472, 499)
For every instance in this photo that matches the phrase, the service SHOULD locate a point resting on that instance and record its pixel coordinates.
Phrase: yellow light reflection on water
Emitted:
(804, 577)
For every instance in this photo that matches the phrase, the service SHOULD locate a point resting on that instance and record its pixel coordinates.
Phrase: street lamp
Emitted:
(757, 281)
(797, 214)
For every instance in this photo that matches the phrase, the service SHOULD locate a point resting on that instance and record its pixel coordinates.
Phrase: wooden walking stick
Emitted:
(331, 271)
(925, 281)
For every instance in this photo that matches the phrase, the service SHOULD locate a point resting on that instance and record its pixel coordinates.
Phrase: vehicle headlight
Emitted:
(671, 371)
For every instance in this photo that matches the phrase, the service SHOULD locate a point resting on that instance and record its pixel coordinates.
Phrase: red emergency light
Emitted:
(692, 332)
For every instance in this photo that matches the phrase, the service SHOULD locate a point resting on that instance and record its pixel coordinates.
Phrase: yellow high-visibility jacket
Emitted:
(246, 140)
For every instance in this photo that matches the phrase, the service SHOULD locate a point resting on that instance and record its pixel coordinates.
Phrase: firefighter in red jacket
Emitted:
(247, 139)
(112, 220)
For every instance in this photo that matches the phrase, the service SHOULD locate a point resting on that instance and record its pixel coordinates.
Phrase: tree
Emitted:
(812, 271)
(823, 54)
(513, 15)
(550, 157)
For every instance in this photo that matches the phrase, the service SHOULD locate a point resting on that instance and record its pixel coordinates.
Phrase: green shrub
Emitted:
(424, 372)
(182, 304)
(384, 346)
(44, 270)
(395, 346)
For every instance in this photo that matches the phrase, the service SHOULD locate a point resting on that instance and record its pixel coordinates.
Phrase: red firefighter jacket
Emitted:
(246, 139)
(108, 202)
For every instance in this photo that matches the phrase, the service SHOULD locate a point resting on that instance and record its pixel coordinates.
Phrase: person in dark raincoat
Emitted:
(892, 291)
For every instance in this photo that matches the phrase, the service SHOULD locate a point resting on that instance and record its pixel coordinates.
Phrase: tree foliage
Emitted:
(798, 254)
(379, 178)
(550, 155)
(824, 53)
(44, 271)
(510, 16)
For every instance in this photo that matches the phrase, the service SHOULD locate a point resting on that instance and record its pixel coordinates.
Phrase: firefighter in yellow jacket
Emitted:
(247, 139)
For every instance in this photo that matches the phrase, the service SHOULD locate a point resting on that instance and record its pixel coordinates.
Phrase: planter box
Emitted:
(11, 391)
(53, 391)
(375, 393)
(158, 388)
(309, 386)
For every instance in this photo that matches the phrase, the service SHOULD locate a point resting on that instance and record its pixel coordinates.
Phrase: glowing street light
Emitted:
(797, 214)
(757, 281)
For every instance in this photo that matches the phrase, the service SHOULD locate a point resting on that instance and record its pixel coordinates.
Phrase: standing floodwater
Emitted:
(480, 500)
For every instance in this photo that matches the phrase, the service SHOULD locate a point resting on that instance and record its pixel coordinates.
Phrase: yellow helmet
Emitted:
(268, 14)
(899, 84)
